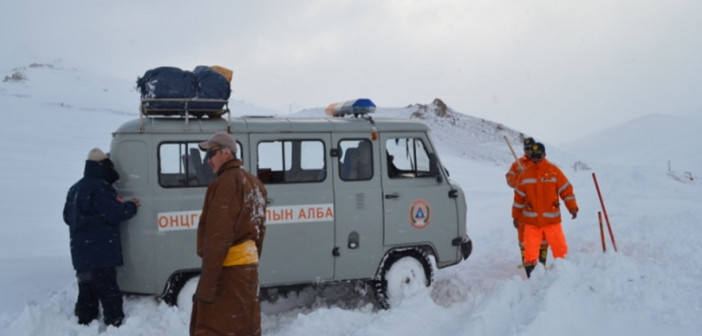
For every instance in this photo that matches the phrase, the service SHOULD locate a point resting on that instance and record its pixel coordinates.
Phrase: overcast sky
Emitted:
(555, 69)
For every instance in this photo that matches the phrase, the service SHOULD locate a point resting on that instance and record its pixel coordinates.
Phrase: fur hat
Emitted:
(97, 155)
(221, 139)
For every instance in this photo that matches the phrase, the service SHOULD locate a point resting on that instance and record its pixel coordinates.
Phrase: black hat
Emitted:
(538, 149)
(528, 142)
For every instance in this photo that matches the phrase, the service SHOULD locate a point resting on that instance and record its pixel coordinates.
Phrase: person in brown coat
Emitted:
(229, 241)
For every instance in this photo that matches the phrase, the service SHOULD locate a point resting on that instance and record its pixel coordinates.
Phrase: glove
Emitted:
(515, 223)
(574, 213)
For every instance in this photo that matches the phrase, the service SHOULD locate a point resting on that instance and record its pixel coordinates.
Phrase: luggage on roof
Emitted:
(173, 91)
(211, 84)
(224, 71)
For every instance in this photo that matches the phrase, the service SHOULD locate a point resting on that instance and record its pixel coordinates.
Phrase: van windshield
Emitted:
(407, 157)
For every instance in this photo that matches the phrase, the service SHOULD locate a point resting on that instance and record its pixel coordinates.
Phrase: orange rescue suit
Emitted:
(511, 176)
(516, 169)
(537, 205)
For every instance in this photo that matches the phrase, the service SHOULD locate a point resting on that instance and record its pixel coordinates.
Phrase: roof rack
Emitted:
(185, 108)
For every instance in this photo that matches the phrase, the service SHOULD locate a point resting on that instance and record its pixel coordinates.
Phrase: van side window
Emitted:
(407, 158)
(356, 161)
(291, 161)
(181, 165)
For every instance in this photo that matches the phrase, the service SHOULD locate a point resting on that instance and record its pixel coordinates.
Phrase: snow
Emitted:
(648, 172)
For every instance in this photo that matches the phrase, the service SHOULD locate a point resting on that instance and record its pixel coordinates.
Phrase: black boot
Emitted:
(528, 270)
(84, 321)
(115, 322)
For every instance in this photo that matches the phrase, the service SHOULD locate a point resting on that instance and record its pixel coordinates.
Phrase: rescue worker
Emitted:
(537, 205)
(229, 241)
(93, 212)
(518, 165)
(514, 171)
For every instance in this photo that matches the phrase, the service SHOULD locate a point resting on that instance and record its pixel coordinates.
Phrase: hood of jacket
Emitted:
(96, 170)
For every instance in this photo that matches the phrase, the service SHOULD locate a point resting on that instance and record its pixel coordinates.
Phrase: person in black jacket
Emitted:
(93, 212)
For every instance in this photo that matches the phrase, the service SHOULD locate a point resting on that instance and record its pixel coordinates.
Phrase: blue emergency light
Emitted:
(358, 106)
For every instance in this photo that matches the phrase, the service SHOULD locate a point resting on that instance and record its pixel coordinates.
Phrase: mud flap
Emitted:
(466, 246)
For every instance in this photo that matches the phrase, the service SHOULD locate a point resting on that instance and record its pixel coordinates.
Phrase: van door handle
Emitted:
(269, 201)
(393, 195)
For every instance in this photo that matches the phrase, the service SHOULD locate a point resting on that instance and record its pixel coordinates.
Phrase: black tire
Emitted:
(400, 274)
(175, 284)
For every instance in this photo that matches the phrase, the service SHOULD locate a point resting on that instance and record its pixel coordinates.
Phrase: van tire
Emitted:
(401, 274)
(175, 285)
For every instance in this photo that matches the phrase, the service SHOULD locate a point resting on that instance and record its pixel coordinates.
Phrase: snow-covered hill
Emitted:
(667, 142)
(54, 115)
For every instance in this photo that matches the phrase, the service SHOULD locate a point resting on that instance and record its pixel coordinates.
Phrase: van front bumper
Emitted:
(465, 244)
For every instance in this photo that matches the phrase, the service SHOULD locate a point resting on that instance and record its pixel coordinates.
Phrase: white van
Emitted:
(349, 198)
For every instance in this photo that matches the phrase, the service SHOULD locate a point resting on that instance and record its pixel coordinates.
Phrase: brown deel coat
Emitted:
(226, 301)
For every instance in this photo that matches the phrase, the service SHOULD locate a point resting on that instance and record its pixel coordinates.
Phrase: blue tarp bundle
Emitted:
(210, 85)
(172, 82)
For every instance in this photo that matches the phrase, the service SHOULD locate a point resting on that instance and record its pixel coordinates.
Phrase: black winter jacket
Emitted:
(93, 212)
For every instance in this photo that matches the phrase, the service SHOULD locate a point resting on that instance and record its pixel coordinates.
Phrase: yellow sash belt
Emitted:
(242, 254)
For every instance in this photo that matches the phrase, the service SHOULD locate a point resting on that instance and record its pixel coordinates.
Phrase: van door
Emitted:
(358, 206)
(300, 215)
(182, 177)
(419, 208)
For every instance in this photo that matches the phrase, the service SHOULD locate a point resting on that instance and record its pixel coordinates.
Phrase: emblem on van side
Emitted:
(419, 214)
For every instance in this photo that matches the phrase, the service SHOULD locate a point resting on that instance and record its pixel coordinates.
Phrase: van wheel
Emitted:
(177, 285)
(185, 296)
(402, 274)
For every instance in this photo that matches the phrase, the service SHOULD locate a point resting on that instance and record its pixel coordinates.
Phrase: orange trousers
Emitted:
(535, 234)
(520, 237)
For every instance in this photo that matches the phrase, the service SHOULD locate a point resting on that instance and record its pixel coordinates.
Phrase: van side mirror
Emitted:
(434, 168)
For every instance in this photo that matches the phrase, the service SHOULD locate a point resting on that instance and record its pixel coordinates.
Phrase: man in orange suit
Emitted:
(537, 195)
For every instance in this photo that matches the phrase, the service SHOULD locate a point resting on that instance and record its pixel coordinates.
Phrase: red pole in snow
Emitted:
(602, 238)
(609, 227)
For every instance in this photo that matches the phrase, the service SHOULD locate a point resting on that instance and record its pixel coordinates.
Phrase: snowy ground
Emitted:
(653, 286)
